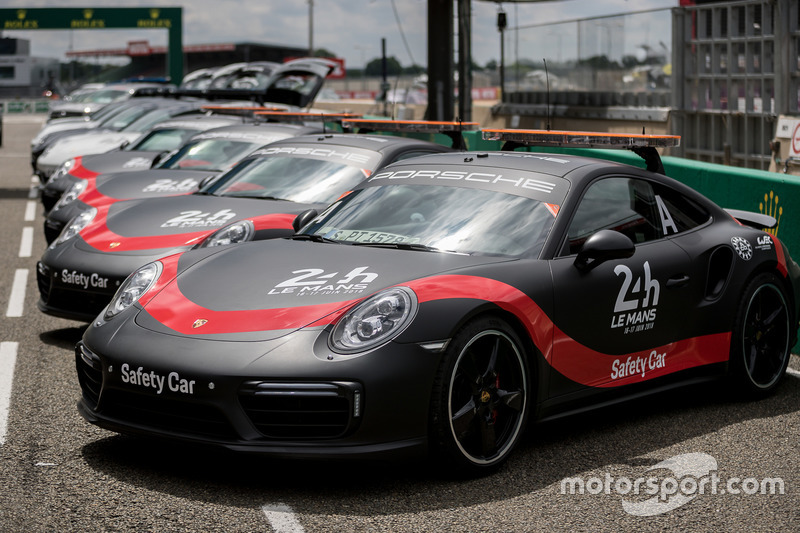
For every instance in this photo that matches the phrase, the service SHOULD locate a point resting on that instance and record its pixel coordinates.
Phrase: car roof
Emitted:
(375, 142)
(576, 171)
(203, 122)
(559, 165)
(268, 129)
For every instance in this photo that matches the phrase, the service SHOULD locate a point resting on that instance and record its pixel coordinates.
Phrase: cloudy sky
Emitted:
(353, 28)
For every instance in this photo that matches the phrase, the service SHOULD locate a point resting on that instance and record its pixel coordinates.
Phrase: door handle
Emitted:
(677, 281)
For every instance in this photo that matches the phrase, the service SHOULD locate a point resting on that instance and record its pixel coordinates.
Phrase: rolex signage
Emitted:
(69, 18)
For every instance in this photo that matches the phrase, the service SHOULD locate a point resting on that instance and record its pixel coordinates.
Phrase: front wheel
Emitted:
(760, 345)
(481, 395)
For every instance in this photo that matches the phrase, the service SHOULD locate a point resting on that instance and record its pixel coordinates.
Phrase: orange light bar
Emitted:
(582, 139)
(238, 110)
(307, 117)
(418, 126)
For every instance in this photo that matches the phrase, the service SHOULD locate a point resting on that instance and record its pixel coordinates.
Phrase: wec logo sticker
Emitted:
(316, 281)
(138, 162)
(169, 185)
(198, 219)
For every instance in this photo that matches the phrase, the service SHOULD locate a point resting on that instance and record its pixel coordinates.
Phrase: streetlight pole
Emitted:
(310, 28)
(502, 23)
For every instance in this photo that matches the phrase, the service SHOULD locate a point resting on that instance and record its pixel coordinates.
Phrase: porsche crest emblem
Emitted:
(199, 322)
(114, 244)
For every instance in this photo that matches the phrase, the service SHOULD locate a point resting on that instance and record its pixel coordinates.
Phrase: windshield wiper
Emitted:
(275, 198)
(312, 237)
(408, 246)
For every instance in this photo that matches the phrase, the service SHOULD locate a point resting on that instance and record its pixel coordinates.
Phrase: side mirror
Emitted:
(303, 218)
(603, 246)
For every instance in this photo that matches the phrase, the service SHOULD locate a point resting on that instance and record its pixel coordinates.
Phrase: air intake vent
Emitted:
(90, 374)
(302, 410)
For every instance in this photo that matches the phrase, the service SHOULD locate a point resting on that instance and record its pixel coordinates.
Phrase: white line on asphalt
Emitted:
(30, 212)
(26, 243)
(17, 299)
(33, 192)
(281, 518)
(8, 358)
(793, 372)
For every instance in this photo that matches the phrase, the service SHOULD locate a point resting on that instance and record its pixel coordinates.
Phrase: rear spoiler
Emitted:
(640, 144)
(754, 220)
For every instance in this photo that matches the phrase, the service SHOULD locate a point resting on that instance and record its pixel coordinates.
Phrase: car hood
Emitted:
(91, 142)
(75, 108)
(149, 183)
(264, 290)
(62, 125)
(175, 221)
(119, 160)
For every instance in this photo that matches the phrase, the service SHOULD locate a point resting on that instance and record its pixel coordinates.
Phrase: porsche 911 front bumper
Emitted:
(283, 397)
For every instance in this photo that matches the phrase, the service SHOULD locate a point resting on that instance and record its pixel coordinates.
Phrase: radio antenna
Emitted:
(547, 83)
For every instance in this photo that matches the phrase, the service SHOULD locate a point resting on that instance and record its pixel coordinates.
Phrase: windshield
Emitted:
(210, 154)
(162, 140)
(149, 119)
(297, 179)
(104, 96)
(449, 219)
(124, 118)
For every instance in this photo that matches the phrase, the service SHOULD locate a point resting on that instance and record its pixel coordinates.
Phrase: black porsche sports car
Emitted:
(206, 154)
(79, 273)
(440, 306)
(139, 155)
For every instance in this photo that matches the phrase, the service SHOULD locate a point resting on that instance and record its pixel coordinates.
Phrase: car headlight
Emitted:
(62, 170)
(376, 320)
(75, 226)
(71, 194)
(234, 233)
(132, 289)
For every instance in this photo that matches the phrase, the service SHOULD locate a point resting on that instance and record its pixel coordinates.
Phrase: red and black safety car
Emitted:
(442, 305)
(80, 271)
(206, 154)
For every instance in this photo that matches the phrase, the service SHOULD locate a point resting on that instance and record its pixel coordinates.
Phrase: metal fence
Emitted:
(627, 53)
(735, 69)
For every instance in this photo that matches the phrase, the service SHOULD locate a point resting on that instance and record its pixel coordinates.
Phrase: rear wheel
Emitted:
(480, 398)
(760, 346)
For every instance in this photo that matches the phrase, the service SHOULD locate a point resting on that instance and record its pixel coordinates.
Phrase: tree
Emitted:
(322, 52)
(414, 69)
(374, 67)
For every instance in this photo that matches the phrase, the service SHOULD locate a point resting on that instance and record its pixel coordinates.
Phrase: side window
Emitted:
(622, 204)
(677, 212)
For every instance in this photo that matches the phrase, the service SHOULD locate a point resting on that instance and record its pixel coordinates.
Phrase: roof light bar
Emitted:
(238, 110)
(581, 139)
(415, 126)
(453, 130)
(642, 145)
(287, 116)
